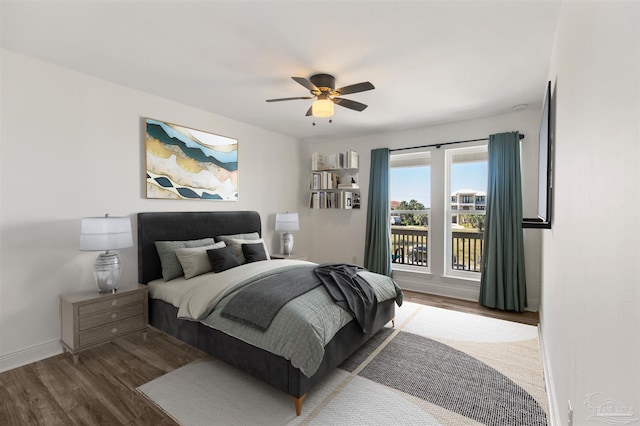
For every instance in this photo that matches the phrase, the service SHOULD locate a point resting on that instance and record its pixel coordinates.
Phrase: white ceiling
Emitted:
(430, 61)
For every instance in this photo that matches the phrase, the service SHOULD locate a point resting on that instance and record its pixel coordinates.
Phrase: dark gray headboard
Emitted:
(179, 226)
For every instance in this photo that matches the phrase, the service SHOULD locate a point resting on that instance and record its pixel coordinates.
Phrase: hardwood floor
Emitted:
(101, 389)
(526, 317)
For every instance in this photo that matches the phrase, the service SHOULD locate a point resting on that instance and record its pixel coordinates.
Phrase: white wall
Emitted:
(345, 240)
(590, 313)
(72, 146)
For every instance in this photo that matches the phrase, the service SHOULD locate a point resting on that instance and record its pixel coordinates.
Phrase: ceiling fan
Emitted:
(322, 87)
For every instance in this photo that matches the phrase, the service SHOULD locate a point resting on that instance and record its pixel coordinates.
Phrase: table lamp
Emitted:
(106, 233)
(286, 222)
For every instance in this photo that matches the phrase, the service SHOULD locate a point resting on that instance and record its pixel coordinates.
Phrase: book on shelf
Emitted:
(317, 161)
(348, 186)
(334, 161)
(347, 200)
(339, 160)
(314, 200)
(327, 180)
(351, 160)
(316, 181)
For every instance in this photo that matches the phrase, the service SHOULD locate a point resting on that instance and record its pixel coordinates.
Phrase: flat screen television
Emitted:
(545, 168)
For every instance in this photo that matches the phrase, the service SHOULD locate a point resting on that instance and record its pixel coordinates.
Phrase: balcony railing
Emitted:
(468, 248)
(409, 246)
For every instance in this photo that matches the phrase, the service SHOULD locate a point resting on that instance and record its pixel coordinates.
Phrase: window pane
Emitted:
(468, 186)
(410, 195)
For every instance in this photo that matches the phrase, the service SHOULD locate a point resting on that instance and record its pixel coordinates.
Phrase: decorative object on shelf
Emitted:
(106, 233)
(184, 163)
(286, 222)
(322, 87)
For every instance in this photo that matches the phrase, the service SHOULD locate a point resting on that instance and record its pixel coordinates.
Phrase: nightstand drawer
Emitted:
(89, 321)
(111, 331)
(92, 308)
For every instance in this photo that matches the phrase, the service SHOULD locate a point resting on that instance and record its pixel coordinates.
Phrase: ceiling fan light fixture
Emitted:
(322, 108)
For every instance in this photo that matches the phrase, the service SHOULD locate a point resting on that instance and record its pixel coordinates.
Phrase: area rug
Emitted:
(436, 367)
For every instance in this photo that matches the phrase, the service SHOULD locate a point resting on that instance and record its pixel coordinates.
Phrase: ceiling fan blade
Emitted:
(306, 83)
(290, 99)
(308, 114)
(355, 88)
(348, 103)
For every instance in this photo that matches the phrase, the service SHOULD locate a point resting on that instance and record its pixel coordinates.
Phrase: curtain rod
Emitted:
(438, 145)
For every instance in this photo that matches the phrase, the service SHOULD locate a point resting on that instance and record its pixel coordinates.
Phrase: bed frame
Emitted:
(270, 368)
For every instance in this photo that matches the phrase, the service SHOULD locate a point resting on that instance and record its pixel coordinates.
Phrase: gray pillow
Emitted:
(222, 259)
(195, 261)
(171, 267)
(254, 252)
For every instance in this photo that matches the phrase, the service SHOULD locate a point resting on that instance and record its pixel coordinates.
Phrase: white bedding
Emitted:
(180, 289)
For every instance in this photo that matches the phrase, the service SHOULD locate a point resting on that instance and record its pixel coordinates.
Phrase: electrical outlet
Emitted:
(354, 260)
(569, 414)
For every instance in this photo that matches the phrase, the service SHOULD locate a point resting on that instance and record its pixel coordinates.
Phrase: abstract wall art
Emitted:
(184, 163)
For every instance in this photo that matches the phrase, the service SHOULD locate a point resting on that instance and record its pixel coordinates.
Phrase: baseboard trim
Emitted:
(549, 384)
(26, 356)
(416, 282)
(447, 287)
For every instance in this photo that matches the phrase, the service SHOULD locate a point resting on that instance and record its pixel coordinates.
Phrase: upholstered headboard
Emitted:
(180, 226)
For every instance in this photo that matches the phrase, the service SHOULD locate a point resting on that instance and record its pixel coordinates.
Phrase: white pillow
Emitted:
(246, 236)
(195, 261)
(237, 247)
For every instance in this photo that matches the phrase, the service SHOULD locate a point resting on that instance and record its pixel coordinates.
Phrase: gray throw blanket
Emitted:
(350, 291)
(258, 303)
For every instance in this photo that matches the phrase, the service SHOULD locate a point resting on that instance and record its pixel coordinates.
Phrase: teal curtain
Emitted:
(502, 283)
(377, 250)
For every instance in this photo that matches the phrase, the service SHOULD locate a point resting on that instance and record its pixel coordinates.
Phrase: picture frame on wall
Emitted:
(189, 164)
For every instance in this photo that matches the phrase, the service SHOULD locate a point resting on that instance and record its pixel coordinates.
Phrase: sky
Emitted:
(409, 183)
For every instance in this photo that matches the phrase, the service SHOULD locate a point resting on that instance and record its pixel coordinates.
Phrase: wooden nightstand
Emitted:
(287, 256)
(90, 319)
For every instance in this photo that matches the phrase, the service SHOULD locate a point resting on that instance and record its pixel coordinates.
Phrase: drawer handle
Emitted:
(114, 303)
(114, 316)
(114, 330)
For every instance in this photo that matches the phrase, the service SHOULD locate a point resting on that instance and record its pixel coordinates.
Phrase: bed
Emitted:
(272, 368)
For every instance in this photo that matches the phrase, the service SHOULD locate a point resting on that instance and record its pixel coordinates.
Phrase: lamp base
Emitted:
(106, 270)
(286, 243)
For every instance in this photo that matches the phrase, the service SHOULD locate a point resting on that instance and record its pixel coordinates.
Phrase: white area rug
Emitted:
(213, 393)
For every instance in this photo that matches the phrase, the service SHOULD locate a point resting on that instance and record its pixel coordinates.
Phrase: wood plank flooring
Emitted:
(526, 317)
(101, 389)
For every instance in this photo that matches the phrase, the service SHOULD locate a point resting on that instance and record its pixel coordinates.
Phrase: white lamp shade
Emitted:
(105, 233)
(287, 222)
(322, 108)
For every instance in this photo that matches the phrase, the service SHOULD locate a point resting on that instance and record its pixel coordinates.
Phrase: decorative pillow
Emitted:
(195, 261)
(223, 258)
(237, 243)
(171, 267)
(254, 252)
(248, 236)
